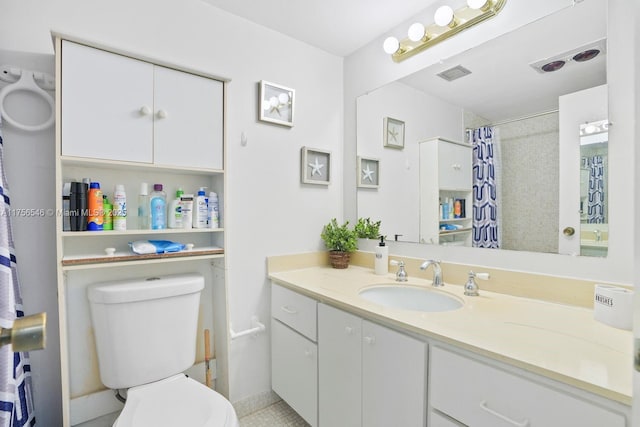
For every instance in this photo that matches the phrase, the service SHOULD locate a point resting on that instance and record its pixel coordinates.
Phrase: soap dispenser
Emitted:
(381, 263)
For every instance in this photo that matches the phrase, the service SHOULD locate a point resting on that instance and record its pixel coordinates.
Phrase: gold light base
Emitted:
(27, 333)
(465, 17)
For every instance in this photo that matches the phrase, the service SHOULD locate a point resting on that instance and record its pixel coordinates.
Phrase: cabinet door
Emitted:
(454, 166)
(393, 378)
(339, 368)
(101, 105)
(294, 370)
(188, 120)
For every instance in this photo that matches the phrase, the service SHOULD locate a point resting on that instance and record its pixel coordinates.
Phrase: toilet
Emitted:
(145, 332)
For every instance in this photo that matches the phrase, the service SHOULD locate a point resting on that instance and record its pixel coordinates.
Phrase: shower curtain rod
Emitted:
(531, 116)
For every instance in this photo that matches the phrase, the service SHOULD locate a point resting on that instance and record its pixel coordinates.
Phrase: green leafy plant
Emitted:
(367, 229)
(339, 237)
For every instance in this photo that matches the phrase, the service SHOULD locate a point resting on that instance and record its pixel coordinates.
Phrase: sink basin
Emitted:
(411, 298)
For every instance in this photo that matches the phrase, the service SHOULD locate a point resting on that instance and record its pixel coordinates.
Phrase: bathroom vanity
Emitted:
(498, 360)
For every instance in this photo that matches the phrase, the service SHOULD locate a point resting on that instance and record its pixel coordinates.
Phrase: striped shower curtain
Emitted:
(486, 228)
(16, 403)
(595, 204)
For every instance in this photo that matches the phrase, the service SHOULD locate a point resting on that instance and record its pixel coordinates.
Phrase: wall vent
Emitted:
(454, 73)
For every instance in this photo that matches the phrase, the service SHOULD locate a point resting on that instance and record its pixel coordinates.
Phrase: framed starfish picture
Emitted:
(315, 166)
(368, 172)
(393, 135)
(276, 104)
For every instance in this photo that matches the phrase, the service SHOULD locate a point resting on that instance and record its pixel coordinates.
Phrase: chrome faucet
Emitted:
(598, 234)
(471, 288)
(437, 271)
(401, 274)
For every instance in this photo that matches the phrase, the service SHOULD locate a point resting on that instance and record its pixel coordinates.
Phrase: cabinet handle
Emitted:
(484, 407)
(162, 114)
(370, 340)
(145, 110)
(288, 310)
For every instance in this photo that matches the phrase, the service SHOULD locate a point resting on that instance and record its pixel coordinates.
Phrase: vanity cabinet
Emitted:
(369, 375)
(294, 351)
(102, 135)
(477, 394)
(119, 108)
(445, 174)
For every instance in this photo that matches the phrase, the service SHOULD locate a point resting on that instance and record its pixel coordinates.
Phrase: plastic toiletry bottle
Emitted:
(78, 206)
(175, 211)
(186, 203)
(158, 205)
(381, 263)
(143, 207)
(108, 213)
(213, 212)
(200, 209)
(119, 208)
(95, 221)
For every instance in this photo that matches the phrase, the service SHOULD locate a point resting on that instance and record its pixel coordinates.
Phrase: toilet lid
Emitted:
(176, 401)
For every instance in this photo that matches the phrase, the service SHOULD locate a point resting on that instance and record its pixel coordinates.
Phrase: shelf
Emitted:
(91, 234)
(121, 165)
(454, 232)
(128, 258)
(444, 221)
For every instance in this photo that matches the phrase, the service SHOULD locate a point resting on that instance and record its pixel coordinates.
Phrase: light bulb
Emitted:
(391, 45)
(443, 16)
(416, 32)
(477, 4)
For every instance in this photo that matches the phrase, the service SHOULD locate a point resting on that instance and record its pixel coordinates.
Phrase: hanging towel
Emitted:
(596, 203)
(16, 402)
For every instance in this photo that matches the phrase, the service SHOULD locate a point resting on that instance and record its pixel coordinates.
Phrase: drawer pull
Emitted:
(484, 407)
(289, 310)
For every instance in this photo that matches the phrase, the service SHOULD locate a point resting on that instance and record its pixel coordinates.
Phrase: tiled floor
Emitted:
(277, 415)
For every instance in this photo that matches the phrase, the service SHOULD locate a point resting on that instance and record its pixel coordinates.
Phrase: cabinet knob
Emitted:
(162, 114)
(370, 340)
(308, 353)
(348, 330)
(145, 110)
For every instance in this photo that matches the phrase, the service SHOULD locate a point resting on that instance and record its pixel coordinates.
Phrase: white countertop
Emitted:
(558, 341)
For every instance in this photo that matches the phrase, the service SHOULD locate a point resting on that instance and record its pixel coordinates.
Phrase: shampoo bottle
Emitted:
(213, 214)
(200, 209)
(158, 208)
(108, 213)
(175, 210)
(119, 208)
(143, 207)
(381, 263)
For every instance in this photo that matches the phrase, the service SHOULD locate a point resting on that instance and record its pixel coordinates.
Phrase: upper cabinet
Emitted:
(135, 111)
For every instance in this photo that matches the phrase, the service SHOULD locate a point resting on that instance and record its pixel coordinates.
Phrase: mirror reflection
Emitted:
(501, 103)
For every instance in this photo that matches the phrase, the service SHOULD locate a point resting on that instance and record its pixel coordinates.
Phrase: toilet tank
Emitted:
(145, 329)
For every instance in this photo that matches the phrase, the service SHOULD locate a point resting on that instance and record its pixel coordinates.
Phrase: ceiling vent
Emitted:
(579, 54)
(454, 73)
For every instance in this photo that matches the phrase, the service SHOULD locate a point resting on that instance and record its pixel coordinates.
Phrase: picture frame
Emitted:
(368, 172)
(315, 166)
(276, 104)
(393, 133)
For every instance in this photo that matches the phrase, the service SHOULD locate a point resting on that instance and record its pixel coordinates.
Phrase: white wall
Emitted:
(267, 211)
(370, 68)
(425, 116)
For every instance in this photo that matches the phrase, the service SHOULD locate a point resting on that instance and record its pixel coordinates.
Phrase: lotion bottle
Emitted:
(381, 262)
(174, 212)
(200, 209)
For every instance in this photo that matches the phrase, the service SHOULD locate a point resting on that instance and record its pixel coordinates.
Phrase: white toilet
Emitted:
(145, 331)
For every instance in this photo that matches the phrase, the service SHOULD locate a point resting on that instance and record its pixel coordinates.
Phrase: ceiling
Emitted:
(503, 85)
(339, 27)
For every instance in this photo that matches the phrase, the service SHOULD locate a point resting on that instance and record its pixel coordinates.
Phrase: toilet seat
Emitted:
(176, 401)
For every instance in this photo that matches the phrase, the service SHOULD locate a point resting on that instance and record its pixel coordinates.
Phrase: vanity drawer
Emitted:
(477, 394)
(294, 310)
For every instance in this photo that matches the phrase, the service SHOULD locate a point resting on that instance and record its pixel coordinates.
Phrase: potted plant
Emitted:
(367, 229)
(340, 240)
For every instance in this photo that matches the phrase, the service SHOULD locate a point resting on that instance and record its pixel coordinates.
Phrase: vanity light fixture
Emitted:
(447, 23)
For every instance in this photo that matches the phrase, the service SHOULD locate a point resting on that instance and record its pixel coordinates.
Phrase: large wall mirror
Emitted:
(533, 91)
